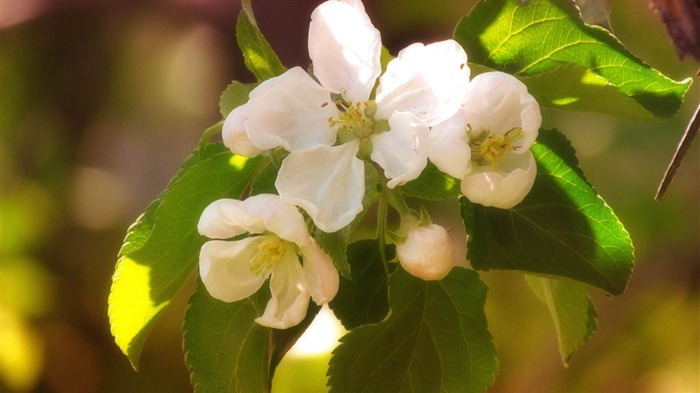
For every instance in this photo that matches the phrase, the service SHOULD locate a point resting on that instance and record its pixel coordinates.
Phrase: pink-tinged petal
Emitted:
(219, 220)
(290, 298)
(235, 136)
(270, 213)
(503, 189)
(320, 273)
(225, 268)
(428, 81)
(498, 102)
(290, 111)
(427, 252)
(401, 151)
(326, 181)
(345, 49)
(448, 146)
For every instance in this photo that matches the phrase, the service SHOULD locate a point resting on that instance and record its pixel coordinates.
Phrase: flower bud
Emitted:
(427, 252)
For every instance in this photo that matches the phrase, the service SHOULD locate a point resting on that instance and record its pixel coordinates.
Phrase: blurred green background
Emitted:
(102, 100)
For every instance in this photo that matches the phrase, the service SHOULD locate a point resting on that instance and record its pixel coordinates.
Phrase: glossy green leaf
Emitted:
(364, 299)
(562, 228)
(574, 88)
(536, 37)
(161, 249)
(226, 351)
(259, 57)
(572, 312)
(235, 95)
(432, 184)
(435, 340)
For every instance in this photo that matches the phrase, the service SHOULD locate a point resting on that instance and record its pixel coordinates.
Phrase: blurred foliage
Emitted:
(102, 101)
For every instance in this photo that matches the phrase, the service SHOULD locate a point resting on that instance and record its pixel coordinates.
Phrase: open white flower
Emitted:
(426, 252)
(326, 124)
(233, 270)
(487, 143)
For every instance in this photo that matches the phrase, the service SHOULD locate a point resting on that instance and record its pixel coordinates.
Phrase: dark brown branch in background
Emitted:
(682, 20)
(682, 148)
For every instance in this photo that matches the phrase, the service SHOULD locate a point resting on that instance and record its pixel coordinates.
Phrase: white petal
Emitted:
(428, 81)
(218, 220)
(327, 182)
(290, 111)
(235, 136)
(320, 273)
(427, 252)
(290, 298)
(503, 189)
(498, 102)
(267, 212)
(401, 151)
(345, 48)
(448, 146)
(225, 268)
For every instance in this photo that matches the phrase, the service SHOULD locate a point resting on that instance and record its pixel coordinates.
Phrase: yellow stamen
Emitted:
(356, 118)
(270, 252)
(490, 149)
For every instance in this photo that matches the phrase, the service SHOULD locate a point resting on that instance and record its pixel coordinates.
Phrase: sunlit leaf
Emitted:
(227, 351)
(574, 88)
(562, 228)
(435, 340)
(572, 311)
(536, 37)
(364, 299)
(161, 249)
(259, 57)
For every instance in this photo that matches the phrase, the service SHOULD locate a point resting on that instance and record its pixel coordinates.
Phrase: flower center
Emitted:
(356, 120)
(490, 149)
(270, 252)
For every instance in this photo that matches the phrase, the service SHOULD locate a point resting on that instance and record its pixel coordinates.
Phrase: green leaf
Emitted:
(259, 57)
(562, 228)
(161, 249)
(572, 311)
(235, 95)
(226, 350)
(264, 183)
(536, 37)
(364, 299)
(435, 340)
(574, 88)
(432, 184)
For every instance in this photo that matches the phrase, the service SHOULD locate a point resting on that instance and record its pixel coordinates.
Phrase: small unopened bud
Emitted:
(427, 252)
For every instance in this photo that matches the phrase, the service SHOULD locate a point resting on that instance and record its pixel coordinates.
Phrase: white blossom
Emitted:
(487, 142)
(276, 245)
(326, 125)
(426, 252)
(235, 136)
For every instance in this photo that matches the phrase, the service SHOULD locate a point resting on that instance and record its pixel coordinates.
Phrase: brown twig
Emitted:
(687, 139)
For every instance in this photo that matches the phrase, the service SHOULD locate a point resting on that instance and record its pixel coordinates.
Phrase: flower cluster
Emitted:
(347, 116)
